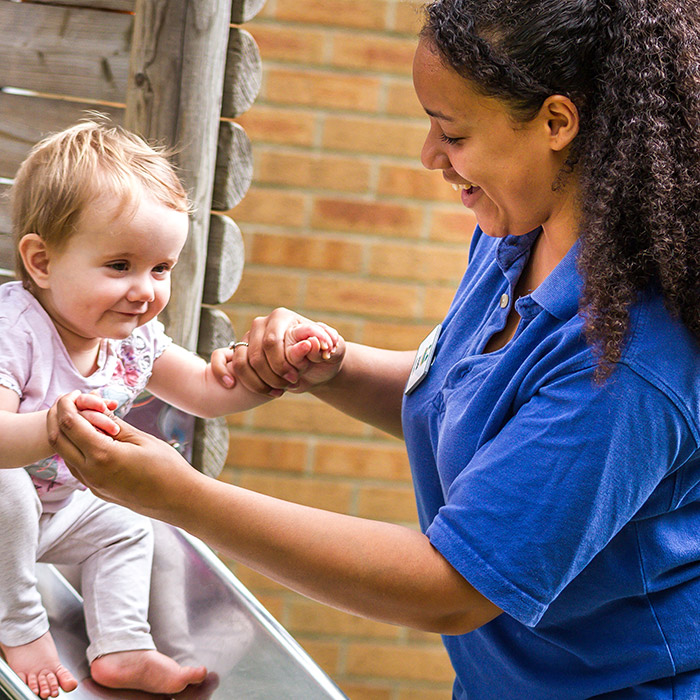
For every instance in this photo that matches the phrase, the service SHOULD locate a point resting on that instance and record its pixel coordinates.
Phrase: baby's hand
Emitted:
(96, 410)
(312, 341)
(221, 366)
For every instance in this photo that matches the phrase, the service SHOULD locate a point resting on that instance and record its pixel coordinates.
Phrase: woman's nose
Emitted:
(433, 156)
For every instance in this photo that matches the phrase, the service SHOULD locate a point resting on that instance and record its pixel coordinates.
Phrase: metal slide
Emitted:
(200, 613)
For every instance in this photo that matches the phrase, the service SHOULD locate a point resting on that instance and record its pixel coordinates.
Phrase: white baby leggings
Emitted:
(112, 545)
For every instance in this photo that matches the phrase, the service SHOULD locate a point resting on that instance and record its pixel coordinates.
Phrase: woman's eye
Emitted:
(449, 140)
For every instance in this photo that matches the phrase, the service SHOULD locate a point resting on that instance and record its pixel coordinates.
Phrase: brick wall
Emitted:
(344, 225)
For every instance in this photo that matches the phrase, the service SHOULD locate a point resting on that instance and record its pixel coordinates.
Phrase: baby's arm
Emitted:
(24, 436)
(186, 381)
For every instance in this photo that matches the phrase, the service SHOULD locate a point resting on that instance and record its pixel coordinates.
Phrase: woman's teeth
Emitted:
(457, 188)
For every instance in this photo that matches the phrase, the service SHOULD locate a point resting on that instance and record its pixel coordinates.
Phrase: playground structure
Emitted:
(176, 72)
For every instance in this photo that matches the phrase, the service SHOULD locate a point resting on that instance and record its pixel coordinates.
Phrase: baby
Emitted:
(99, 219)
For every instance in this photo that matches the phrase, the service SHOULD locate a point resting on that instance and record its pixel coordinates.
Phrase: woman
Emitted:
(554, 439)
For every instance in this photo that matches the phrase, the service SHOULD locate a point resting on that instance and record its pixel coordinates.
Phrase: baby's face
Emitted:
(114, 272)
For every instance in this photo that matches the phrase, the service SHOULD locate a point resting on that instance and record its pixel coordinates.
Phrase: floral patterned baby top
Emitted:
(35, 364)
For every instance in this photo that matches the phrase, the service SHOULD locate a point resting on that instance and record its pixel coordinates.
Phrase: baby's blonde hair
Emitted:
(67, 171)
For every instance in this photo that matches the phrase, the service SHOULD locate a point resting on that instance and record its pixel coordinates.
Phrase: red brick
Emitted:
(307, 617)
(288, 43)
(390, 137)
(319, 252)
(265, 124)
(314, 493)
(267, 452)
(426, 693)
(364, 14)
(395, 336)
(377, 218)
(364, 297)
(437, 302)
(370, 52)
(399, 662)
(325, 654)
(452, 225)
(304, 414)
(346, 174)
(359, 691)
(418, 262)
(362, 460)
(402, 101)
(409, 18)
(269, 289)
(270, 206)
(321, 89)
(414, 182)
(395, 504)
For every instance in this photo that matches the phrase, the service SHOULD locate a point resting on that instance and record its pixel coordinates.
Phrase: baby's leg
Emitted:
(24, 637)
(115, 548)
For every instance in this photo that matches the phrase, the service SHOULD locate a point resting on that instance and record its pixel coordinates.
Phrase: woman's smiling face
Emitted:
(506, 169)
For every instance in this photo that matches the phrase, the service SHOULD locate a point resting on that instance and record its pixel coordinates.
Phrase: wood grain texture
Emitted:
(243, 73)
(174, 94)
(27, 119)
(225, 259)
(210, 445)
(234, 166)
(65, 50)
(244, 10)
(215, 331)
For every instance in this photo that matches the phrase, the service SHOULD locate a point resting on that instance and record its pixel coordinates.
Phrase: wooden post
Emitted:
(174, 94)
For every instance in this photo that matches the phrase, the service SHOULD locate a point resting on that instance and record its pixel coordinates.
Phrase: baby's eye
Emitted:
(118, 265)
(449, 139)
(161, 269)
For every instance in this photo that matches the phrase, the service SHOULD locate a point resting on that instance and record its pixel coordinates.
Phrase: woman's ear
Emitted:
(562, 119)
(35, 257)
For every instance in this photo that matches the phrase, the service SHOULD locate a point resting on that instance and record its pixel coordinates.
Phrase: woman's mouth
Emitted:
(469, 194)
(468, 188)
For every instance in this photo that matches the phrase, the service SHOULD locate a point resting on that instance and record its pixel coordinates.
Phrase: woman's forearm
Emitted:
(379, 570)
(369, 568)
(370, 386)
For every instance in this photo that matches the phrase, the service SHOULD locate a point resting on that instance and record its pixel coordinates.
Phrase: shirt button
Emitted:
(504, 301)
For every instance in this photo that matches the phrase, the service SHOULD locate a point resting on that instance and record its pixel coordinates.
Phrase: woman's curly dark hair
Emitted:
(632, 68)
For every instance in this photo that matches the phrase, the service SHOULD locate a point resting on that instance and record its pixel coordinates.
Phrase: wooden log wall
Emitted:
(176, 72)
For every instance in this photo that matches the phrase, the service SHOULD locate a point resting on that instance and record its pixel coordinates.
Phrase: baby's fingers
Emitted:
(94, 402)
(101, 421)
(222, 368)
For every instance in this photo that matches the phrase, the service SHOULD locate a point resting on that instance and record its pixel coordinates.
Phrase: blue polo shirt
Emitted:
(574, 507)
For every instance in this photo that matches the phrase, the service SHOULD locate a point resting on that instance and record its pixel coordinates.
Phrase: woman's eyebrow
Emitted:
(438, 115)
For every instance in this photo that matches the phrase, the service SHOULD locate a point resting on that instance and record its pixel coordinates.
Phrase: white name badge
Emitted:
(423, 360)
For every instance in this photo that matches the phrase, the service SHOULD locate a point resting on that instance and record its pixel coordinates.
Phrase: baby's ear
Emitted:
(35, 257)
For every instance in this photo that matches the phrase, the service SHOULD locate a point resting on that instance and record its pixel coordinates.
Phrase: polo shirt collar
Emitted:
(561, 291)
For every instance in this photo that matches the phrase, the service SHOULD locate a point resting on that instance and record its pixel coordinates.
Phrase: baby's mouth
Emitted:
(469, 187)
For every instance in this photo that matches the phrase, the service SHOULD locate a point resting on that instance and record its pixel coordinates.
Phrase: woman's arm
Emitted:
(370, 386)
(374, 569)
(24, 437)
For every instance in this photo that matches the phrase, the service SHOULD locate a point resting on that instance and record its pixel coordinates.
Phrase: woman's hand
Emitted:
(287, 352)
(133, 469)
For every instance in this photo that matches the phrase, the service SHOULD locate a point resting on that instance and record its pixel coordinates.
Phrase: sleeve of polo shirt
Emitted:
(535, 504)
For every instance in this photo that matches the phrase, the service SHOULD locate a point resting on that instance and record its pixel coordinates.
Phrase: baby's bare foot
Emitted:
(144, 669)
(38, 665)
